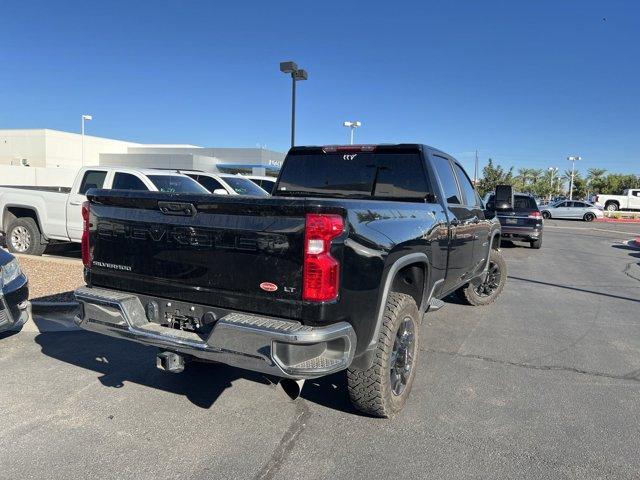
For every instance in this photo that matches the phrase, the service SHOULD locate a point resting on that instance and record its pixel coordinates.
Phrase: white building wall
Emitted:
(64, 149)
(37, 176)
(16, 145)
(148, 160)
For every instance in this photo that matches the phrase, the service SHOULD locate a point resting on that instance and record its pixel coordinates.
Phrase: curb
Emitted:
(633, 270)
(617, 220)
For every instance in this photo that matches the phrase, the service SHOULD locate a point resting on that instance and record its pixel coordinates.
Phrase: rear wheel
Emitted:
(23, 236)
(536, 243)
(611, 206)
(484, 292)
(546, 214)
(589, 217)
(383, 389)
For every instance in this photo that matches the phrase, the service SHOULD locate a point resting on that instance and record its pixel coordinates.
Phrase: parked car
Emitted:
(332, 272)
(264, 182)
(32, 217)
(521, 222)
(572, 209)
(15, 308)
(226, 184)
(629, 200)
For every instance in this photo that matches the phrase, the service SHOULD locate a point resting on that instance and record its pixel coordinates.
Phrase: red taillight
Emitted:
(321, 272)
(535, 215)
(596, 199)
(86, 253)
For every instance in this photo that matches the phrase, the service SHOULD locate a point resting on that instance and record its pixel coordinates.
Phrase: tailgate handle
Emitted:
(177, 208)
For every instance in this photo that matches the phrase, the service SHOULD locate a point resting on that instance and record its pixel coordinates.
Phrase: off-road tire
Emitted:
(370, 390)
(536, 243)
(468, 292)
(28, 227)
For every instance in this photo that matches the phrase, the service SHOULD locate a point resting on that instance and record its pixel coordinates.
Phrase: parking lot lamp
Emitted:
(352, 126)
(84, 117)
(573, 159)
(297, 74)
(553, 171)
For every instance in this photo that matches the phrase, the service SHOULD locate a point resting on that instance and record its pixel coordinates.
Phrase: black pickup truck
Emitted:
(333, 272)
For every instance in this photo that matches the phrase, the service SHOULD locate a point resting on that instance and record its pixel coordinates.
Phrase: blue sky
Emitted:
(526, 83)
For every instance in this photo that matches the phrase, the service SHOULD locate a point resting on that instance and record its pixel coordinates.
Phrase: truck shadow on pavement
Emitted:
(119, 361)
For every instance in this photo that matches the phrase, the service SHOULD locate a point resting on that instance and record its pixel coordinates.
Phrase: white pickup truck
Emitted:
(33, 217)
(629, 200)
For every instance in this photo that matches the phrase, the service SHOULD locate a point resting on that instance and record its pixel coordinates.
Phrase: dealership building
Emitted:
(54, 157)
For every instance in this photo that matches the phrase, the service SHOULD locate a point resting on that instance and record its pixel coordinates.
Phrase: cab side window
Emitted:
(448, 180)
(92, 179)
(126, 181)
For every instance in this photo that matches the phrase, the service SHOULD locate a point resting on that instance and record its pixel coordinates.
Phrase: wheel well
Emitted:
(410, 281)
(612, 201)
(12, 213)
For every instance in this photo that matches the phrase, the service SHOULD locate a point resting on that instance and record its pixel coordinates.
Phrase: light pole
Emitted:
(297, 74)
(572, 159)
(553, 171)
(352, 126)
(84, 117)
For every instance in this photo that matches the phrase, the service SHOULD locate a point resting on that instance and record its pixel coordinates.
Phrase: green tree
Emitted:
(596, 179)
(493, 175)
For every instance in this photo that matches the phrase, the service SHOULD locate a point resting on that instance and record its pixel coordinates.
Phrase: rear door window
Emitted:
(126, 181)
(92, 179)
(448, 180)
(470, 195)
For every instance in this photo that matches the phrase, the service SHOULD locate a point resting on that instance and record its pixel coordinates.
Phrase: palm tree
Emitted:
(596, 173)
(595, 177)
(535, 174)
(523, 176)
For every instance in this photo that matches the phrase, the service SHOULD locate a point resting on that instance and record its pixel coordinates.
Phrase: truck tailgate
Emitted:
(231, 252)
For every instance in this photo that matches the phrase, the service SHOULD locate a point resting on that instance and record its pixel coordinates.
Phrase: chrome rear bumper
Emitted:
(274, 346)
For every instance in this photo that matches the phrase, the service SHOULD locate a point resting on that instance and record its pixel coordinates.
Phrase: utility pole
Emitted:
(572, 159)
(475, 171)
(84, 117)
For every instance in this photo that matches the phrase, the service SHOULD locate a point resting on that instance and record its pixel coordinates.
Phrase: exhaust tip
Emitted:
(290, 389)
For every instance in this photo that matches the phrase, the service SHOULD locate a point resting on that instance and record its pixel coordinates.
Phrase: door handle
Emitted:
(75, 203)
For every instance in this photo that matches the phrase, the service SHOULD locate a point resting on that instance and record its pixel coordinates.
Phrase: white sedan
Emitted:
(572, 209)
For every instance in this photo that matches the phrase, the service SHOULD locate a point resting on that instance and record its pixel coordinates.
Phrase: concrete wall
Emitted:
(64, 149)
(37, 176)
(148, 160)
(53, 148)
(18, 144)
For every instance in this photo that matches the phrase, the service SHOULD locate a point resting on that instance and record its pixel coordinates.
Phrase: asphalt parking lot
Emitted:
(545, 383)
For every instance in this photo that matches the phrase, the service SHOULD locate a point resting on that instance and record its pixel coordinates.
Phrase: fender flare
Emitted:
(365, 359)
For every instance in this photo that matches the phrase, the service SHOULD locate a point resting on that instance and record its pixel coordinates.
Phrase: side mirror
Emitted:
(220, 191)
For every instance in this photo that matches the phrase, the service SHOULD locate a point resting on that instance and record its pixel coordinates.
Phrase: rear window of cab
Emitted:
(520, 203)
